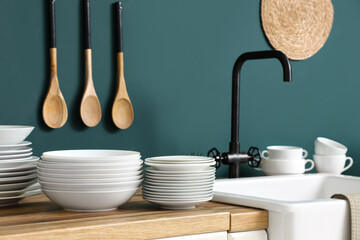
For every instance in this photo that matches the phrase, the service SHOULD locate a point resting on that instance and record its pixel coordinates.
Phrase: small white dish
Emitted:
(19, 163)
(25, 178)
(86, 166)
(16, 186)
(88, 175)
(179, 173)
(90, 186)
(15, 156)
(9, 147)
(14, 174)
(93, 180)
(12, 152)
(91, 171)
(181, 167)
(90, 201)
(90, 155)
(14, 134)
(183, 204)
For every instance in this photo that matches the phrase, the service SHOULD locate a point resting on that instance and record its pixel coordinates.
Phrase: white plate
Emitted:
(90, 155)
(178, 173)
(202, 181)
(183, 204)
(177, 194)
(7, 201)
(177, 197)
(91, 187)
(26, 178)
(12, 152)
(99, 180)
(177, 162)
(14, 146)
(14, 134)
(16, 186)
(19, 163)
(15, 156)
(13, 174)
(183, 178)
(17, 169)
(89, 175)
(15, 193)
(177, 189)
(85, 166)
(90, 171)
(90, 201)
(179, 185)
(181, 167)
(180, 158)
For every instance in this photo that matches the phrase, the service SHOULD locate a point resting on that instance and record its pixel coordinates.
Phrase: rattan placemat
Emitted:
(299, 28)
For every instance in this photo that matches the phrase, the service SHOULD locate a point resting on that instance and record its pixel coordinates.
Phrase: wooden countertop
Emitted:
(38, 218)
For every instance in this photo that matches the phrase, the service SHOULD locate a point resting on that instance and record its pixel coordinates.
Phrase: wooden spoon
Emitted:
(122, 111)
(90, 109)
(54, 109)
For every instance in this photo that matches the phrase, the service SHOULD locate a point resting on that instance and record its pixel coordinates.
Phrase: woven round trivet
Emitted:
(299, 28)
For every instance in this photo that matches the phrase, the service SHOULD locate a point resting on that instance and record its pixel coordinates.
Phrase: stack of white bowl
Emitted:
(90, 180)
(178, 182)
(18, 177)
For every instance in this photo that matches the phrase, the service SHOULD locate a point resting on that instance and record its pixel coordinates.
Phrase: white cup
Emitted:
(334, 164)
(284, 167)
(325, 146)
(284, 153)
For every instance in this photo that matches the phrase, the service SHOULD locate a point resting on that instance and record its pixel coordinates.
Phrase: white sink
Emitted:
(300, 207)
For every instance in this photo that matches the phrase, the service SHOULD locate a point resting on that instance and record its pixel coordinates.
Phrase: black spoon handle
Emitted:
(119, 27)
(87, 25)
(52, 24)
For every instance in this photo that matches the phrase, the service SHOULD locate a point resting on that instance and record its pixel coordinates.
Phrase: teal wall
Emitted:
(178, 62)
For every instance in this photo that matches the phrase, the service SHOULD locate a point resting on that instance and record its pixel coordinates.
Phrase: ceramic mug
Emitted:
(334, 164)
(284, 153)
(325, 146)
(284, 167)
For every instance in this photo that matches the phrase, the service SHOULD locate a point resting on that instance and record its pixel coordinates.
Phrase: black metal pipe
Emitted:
(235, 112)
(119, 27)
(87, 25)
(52, 24)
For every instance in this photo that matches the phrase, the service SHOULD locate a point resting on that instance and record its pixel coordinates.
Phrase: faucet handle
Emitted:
(214, 153)
(254, 157)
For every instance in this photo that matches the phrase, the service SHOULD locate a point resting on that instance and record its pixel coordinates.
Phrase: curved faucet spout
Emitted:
(235, 114)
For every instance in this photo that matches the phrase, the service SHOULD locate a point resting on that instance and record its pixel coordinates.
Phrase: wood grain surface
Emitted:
(38, 218)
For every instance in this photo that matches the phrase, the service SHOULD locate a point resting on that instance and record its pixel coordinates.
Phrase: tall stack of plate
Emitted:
(18, 177)
(90, 180)
(178, 182)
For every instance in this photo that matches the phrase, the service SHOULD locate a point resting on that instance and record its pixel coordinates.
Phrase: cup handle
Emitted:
(263, 154)
(349, 165)
(305, 153)
(312, 164)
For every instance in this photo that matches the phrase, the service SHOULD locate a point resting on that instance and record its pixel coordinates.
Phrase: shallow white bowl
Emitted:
(89, 175)
(90, 186)
(86, 166)
(14, 134)
(90, 155)
(8, 201)
(21, 145)
(91, 170)
(18, 151)
(17, 174)
(93, 180)
(19, 163)
(16, 186)
(17, 169)
(18, 179)
(14, 193)
(90, 201)
(181, 167)
(15, 156)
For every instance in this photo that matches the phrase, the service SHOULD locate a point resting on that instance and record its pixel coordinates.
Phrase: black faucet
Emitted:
(235, 157)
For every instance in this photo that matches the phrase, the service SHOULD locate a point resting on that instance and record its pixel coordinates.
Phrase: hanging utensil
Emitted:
(90, 109)
(122, 111)
(54, 108)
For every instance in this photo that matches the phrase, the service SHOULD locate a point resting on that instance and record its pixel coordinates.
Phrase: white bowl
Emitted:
(19, 163)
(325, 146)
(90, 186)
(90, 171)
(90, 155)
(21, 145)
(86, 166)
(90, 201)
(18, 179)
(13, 134)
(93, 180)
(16, 174)
(181, 167)
(88, 175)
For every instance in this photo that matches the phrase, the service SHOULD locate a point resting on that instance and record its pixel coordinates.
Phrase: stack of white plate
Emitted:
(90, 180)
(18, 177)
(179, 182)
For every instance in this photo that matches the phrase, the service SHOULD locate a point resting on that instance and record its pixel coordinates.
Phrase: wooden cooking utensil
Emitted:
(90, 109)
(122, 111)
(54, 108)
